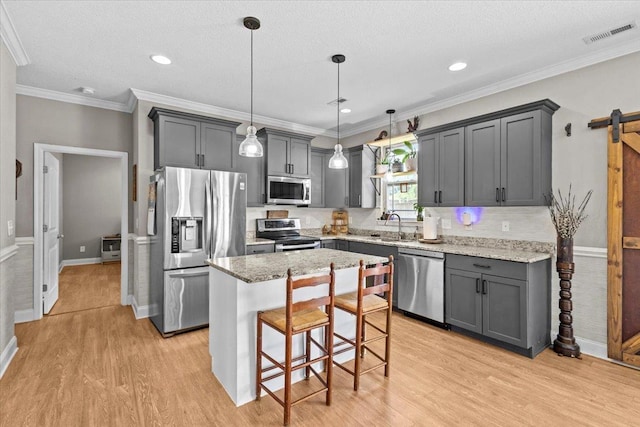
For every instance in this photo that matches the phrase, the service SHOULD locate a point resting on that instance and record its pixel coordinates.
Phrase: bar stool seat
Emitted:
(304, 319)
(349, 302)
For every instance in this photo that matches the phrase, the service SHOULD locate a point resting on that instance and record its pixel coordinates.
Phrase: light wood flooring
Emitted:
(82, 287)
(103, 367)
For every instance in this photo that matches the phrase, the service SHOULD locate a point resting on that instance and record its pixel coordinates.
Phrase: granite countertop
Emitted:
(502, 253)
(270, 266)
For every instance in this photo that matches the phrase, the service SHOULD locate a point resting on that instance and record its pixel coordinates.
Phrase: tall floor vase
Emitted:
(565, 342)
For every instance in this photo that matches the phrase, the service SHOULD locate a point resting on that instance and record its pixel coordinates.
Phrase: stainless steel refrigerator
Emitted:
(199, 214)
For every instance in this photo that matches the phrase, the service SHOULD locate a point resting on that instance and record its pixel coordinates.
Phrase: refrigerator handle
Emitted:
(207, 217)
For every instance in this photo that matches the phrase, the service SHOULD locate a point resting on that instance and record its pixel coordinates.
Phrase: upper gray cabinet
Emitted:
(192, 141)
(287, 154)
(441, 168)
(336, 185)
(509, 160)
(362, 193)
(318, 168)
(254, 168)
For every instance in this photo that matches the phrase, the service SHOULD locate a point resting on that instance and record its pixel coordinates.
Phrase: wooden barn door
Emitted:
(623, 217)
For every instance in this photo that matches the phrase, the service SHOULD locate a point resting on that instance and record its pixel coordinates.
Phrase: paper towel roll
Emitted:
(430, 228)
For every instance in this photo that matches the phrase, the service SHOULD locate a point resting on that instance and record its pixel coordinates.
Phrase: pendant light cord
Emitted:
(338, 103)
(251, 77)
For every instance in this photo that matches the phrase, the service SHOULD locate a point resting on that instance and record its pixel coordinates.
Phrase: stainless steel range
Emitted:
(286, 234)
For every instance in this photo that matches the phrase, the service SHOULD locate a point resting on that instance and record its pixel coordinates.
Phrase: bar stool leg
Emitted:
(387, 344)
(364, 335)
(329, 363)
(287, 379)
(307, 370)
(259, 359)
(357, 353)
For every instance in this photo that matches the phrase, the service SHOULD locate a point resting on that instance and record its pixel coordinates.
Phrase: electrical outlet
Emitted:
(446, 224)
(505, 225)
(350, 219)
(82, 248)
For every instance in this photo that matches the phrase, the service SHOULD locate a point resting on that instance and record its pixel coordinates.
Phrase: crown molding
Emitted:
(71, 98)
(521, 80)
(11, 40)
(143, 95)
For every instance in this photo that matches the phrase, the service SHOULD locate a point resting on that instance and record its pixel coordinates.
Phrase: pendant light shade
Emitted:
(389, 175)
(251, 147)
(338, 160)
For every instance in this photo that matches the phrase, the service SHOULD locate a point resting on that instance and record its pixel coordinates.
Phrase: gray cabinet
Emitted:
(329, 244)
(509, 160)
(336, 186)
(342, 245)
(318, 170)
(383, 251)
(254, 168)
(503, 301)
(441, 168)
(287, 154)
(362, 192)
(192, 141)
(261, 248)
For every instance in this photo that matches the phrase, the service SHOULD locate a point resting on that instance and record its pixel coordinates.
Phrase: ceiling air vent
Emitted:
(606, 34)
(337, 101)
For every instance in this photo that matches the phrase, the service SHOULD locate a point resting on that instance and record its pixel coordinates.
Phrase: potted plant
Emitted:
(383, 165)
(407, 155)
(418, 210)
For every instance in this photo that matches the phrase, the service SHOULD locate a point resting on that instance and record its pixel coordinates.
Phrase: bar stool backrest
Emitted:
(327, 300)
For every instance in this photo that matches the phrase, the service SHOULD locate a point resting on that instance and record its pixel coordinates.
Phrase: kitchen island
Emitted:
(241, 286)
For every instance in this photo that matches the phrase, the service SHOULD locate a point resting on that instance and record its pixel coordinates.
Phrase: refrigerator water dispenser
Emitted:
(186, 234)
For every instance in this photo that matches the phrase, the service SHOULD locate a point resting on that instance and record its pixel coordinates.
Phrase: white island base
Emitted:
(233, 307)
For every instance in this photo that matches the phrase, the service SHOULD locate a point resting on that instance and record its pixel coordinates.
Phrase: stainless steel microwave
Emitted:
(284, 190)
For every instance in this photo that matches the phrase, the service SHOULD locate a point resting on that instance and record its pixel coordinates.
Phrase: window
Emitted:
(400, 192)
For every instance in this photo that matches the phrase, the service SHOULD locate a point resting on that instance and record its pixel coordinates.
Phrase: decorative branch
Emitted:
(565, 216)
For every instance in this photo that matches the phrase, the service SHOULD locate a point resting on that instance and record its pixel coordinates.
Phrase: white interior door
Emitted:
(51, 231)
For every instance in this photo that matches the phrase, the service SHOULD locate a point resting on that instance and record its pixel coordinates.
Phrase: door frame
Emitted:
(38, 198)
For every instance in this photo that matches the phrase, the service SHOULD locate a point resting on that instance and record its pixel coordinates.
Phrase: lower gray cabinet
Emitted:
(502, 300)
(262, 248)
(383, 251)
(329, 244)
(342, 245)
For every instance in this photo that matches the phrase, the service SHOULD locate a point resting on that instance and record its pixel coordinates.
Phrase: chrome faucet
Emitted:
(399, 223)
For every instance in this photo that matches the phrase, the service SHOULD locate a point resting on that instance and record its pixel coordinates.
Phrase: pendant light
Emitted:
(389, 173)
(251, 147)
(338, 160)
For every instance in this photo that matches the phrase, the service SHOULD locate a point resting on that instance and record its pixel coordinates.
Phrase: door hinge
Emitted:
(45, 169)
(44, 288)
(45, 228)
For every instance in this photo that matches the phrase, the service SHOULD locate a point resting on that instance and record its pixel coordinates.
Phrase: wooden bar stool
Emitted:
(293, 319)
(360, 304)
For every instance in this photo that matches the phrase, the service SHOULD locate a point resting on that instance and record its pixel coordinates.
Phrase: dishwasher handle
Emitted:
(421, 253)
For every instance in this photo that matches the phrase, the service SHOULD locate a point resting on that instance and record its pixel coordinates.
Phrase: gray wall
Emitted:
(91, 203)
(7, 189)
(60, 123)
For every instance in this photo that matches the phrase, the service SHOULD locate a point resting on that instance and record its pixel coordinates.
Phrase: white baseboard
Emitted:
(22, 316)
(129, 299)
(592, 348)
(80, 261)
(141, 311)
(7, 354)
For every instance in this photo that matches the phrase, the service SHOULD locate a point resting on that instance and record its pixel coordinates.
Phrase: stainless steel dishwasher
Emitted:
(421, 283)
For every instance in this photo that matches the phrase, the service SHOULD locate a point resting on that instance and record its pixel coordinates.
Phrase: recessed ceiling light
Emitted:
(163, 60)
(345, 110)
(458, 66)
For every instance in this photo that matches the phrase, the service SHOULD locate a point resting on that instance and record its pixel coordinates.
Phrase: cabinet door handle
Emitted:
(359, 200)
(477, 286)
(435, 196)
(440, 196)
(504, 197)
(481, 265)
(293, 169)
(497, 195)
(197, 159)
(484, 287)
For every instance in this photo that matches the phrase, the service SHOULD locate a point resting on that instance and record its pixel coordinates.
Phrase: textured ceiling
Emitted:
(397, 53)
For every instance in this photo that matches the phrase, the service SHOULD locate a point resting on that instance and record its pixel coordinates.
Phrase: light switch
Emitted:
(10, 227)
(82, 248)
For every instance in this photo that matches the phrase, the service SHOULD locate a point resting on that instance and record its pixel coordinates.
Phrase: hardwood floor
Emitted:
(103, 367)
(82, 287)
